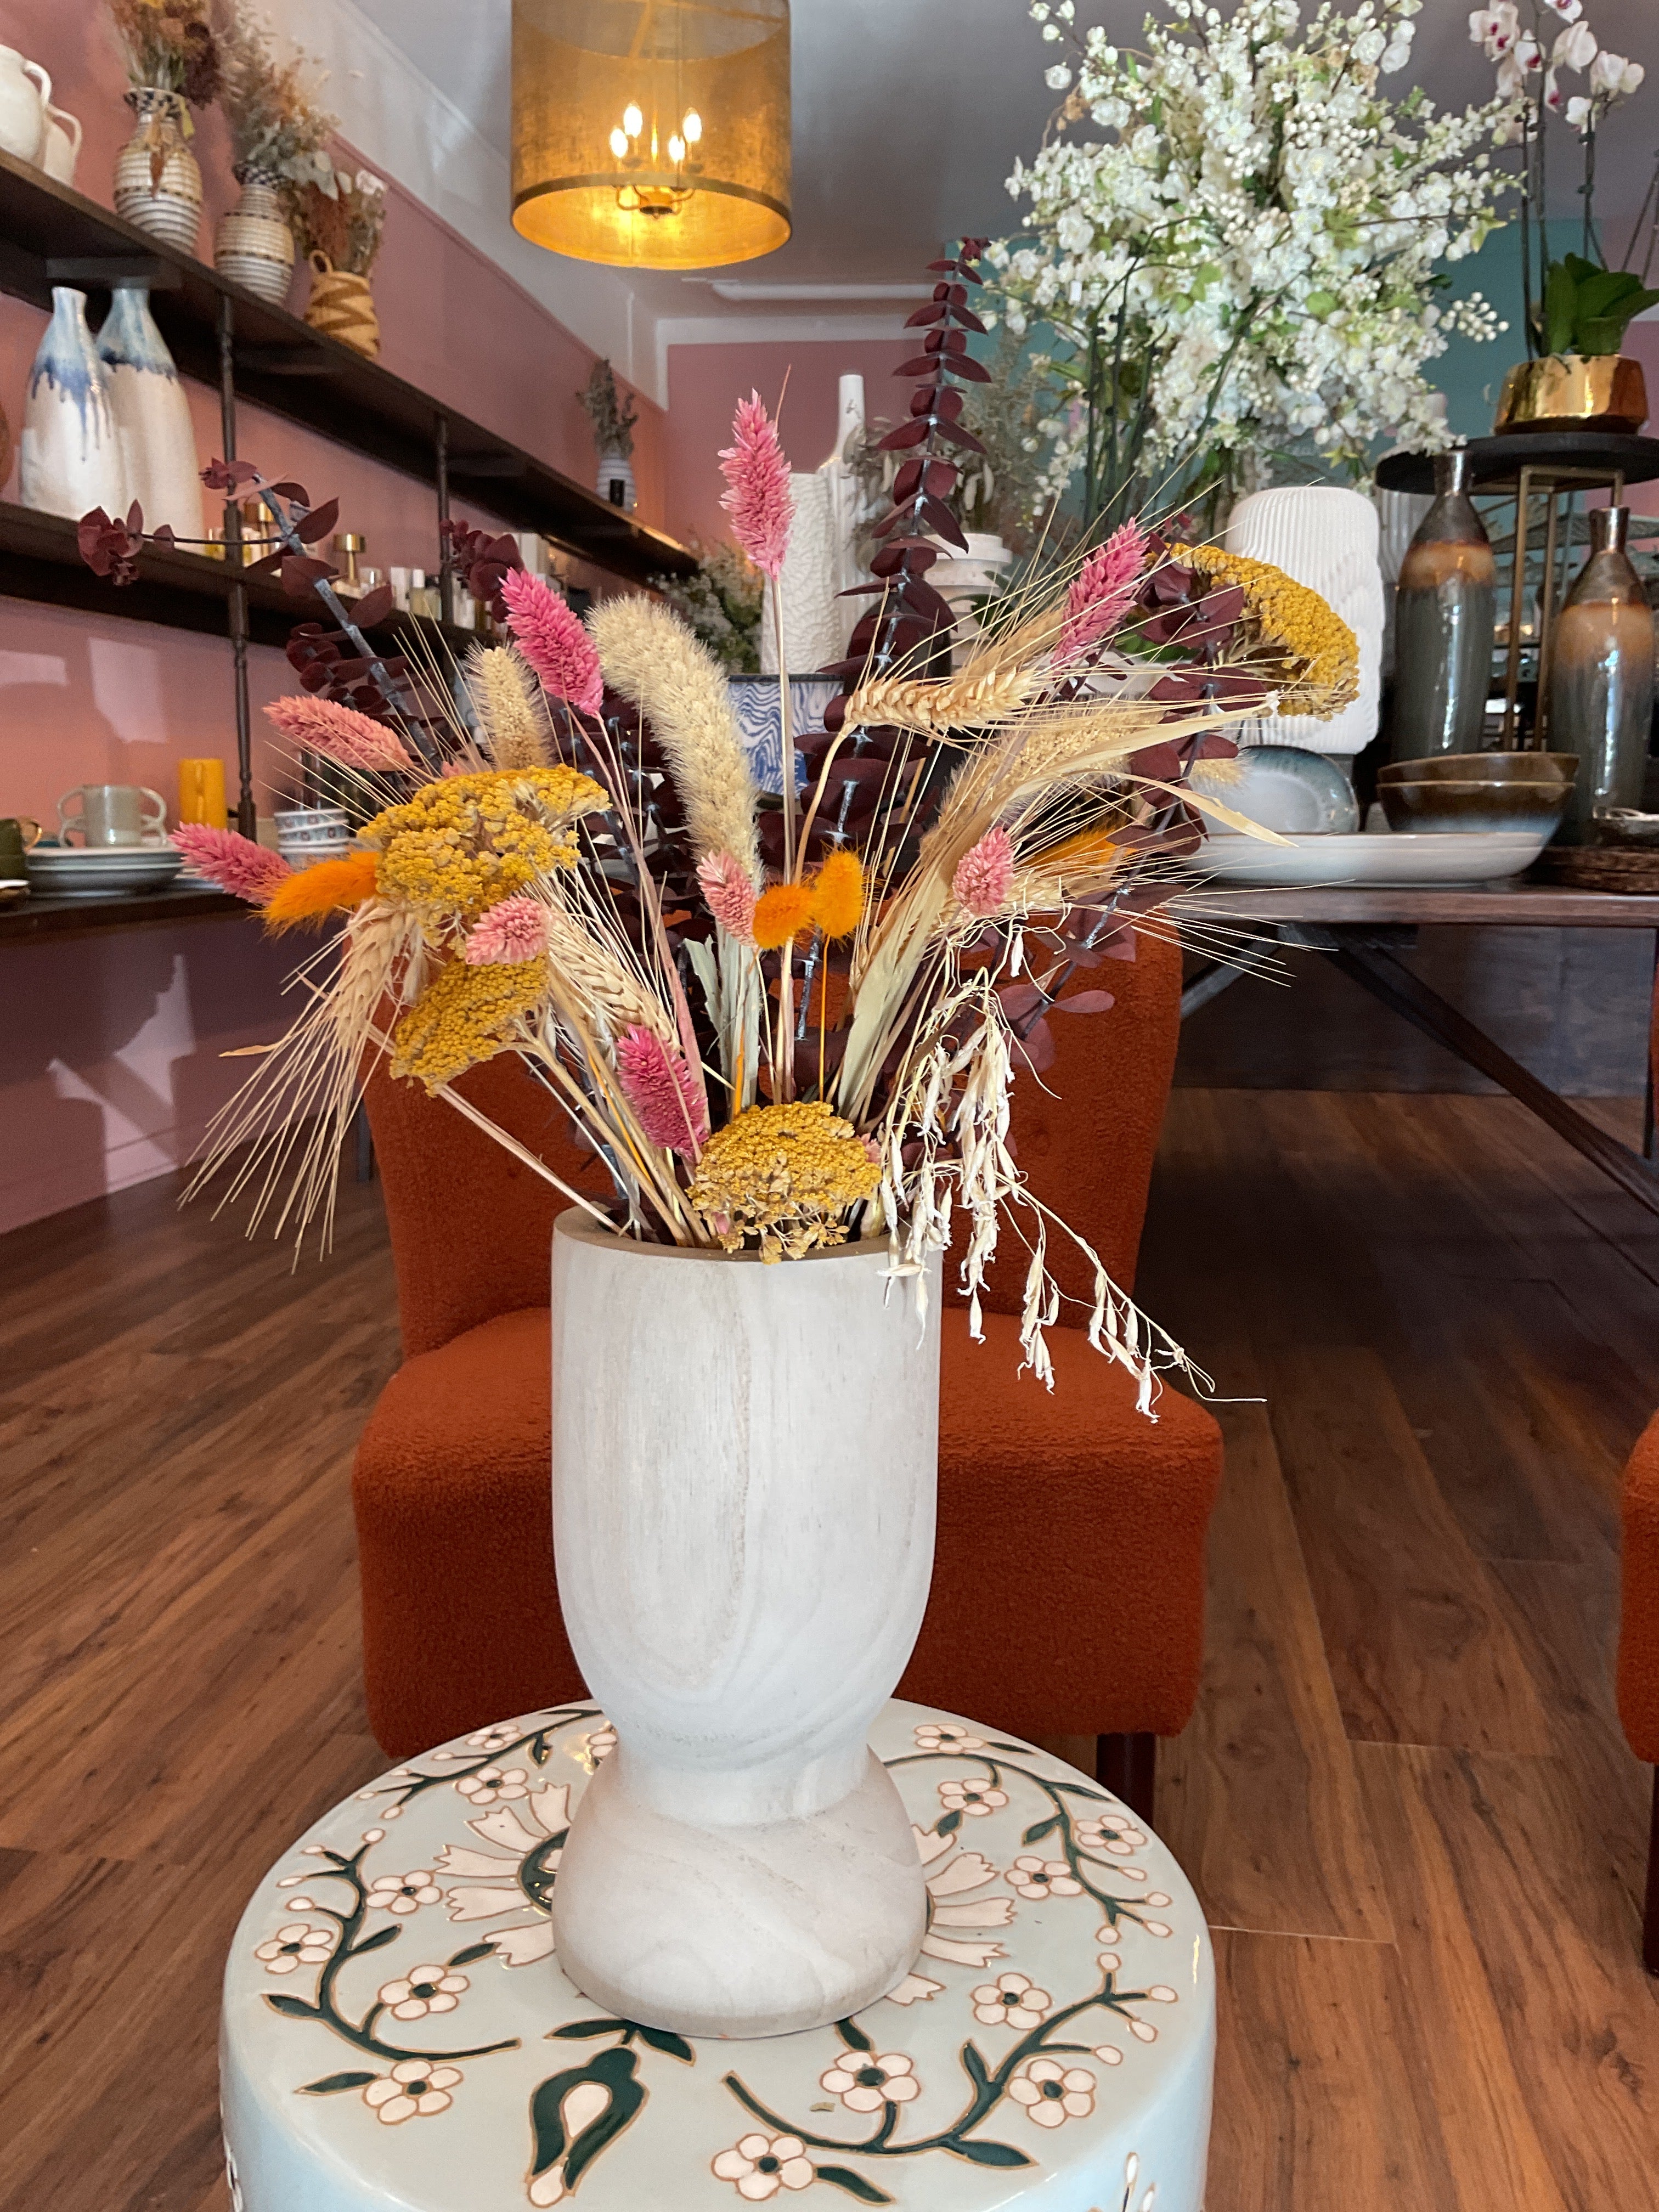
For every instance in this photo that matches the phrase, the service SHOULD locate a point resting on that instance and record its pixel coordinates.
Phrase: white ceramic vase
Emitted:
(152, 414)
(24, 89)
(812, 617)
(253, 246)
(614, 470)
(158, 185)
(743, 1477)
(1327, 539)
(69, 455)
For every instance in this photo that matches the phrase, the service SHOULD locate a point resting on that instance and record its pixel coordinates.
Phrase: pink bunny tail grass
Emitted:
(758, 497)
(511, 930)
(552, 640)
(341, 732)
(1103, 590)
(729, 895)
(236, 864)
(984, 874)
(663, 1091)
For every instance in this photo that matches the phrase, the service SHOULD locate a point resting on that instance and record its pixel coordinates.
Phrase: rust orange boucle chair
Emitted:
(1067, 1594)
(1638, 1646)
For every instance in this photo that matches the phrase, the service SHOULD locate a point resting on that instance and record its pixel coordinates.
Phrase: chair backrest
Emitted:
(471, 1225)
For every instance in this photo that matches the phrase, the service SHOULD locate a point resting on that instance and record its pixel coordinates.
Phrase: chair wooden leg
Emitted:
(1650, 1918)
(1128, 1767)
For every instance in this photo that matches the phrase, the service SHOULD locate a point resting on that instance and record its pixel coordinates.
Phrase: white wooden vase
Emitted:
(70, 456)
(744, 1474)
(152, 413)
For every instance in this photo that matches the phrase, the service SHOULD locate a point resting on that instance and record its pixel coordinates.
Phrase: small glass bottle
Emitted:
(1445, 609)
(1602, 677)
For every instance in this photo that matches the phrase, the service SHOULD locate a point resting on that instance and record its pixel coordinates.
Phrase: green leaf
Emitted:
(1578, 268)
(377, 1942)
(331, 2082)
(291, 2008)
(948, 1823)
(973, 2065)
(1080, 1789)
(1603, 335)
(1320, 305)
(1600, 294)
(1560, 305)
(1039, 1829)
(842, 2176)
(988, 2154)
(852, 2035)
(614, 2070)
(671, 2046)
(472, 1954)
(581, 2031)
(1016, 1750)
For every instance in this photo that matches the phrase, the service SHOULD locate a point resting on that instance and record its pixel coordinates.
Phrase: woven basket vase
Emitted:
(342, 305)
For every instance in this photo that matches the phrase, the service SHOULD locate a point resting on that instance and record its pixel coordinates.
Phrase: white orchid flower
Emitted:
(1579, 112)
(1612, 77)
(1495, 28)
(1574, 49)
(1568, 10)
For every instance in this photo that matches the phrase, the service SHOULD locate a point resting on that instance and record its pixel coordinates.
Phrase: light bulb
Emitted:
(619, 144)
(633, 121)
(691, 129)
(677, 149)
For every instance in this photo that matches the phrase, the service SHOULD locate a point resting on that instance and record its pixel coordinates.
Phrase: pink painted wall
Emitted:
(705, 383)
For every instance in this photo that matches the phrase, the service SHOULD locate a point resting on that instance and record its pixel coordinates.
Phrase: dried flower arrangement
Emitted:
(278, 132)
(775, 1038)
(169, 46)
(613, 423)
(339, 223)
(720, 602)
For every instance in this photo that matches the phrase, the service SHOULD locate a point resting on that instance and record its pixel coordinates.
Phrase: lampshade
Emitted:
(652, 133)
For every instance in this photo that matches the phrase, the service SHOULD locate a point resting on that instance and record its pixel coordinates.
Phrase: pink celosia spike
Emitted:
(758, 499)
(729, 895)
(512, 929)
(322, 725)
(663, 1091)
(553, 640)
(236, 864)
(1103, 590)
(985, 874)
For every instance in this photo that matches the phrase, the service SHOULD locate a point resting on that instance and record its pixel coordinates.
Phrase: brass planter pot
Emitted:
(1574, 392)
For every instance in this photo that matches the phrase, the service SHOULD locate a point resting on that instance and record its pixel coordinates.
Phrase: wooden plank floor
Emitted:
(1404, 1800)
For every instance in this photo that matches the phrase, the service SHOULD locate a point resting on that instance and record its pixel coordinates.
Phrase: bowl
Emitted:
(1481, 768)
(1475, 803)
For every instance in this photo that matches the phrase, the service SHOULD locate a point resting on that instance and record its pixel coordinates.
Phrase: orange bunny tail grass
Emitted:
(783, 914)
(310, 894)
(838, 894)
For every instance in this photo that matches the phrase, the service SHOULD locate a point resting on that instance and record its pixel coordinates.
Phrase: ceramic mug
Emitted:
(202, 792)
(17, 834)
(113, 814)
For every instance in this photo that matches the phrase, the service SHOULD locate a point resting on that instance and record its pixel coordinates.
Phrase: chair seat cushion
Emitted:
(1638, 1623)
(1080, 1520)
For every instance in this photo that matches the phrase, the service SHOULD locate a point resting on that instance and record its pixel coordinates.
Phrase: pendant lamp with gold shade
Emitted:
(651, 134)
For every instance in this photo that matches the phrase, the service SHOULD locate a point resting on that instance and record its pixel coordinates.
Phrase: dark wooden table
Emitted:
(1363, 931)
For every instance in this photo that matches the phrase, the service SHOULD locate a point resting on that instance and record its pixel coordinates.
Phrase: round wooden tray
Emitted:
(1600, 868)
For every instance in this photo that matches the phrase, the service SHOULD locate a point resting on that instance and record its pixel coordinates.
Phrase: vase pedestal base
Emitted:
(760, 1930)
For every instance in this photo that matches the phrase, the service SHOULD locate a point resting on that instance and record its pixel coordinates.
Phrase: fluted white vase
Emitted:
(744, 1479)
(152, 414)
(70, 456)
(1327, 539)
(813, 620)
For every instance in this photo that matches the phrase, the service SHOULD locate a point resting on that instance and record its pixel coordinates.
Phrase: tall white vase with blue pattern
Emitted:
(70, 456)
(152, 414)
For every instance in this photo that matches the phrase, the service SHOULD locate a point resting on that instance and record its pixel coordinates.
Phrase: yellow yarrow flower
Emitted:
(465, 841)
(786, 1174)
(466, 1015)
(1317, 660)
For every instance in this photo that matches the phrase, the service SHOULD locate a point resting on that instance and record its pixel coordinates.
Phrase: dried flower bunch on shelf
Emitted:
(781, 1021)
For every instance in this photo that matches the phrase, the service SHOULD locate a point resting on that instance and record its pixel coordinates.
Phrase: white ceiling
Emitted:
(908, 117)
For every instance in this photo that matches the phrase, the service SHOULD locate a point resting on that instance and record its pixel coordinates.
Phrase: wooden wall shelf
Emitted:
(47, 917)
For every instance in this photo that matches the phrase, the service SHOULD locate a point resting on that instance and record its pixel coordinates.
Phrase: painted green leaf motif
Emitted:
(842, 2176)
(615, 2070)
(852, 2035)
(989, 2154)
(377, 1942)
(1077, 1789)
(331, 2082)
(1039, 1829)
(472, 1955)
(291, 2008)
(671, 2046)
(948, 1823)
(1014, 1750)
(974, 2066)
(581, 2030)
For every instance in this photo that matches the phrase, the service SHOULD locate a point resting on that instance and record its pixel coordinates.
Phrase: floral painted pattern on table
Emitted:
(1003, 1837)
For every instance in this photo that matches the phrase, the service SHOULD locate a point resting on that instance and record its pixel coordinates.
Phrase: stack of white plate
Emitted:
(72, 871)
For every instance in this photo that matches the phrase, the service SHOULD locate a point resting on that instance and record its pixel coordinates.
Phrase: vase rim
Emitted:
(160, 95)
(255, 173)
(584, 1230)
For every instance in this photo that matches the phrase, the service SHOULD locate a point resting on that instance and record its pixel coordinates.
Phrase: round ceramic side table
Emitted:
(397, 2036)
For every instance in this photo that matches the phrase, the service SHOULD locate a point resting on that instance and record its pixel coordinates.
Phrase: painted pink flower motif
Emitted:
(1102, 592)
(865, 2083)
(984, 874)
(757, 476)
(236, 864)
(553, 640)
(513, 929)
(663, 1091)
(323, 725)
(729, 894)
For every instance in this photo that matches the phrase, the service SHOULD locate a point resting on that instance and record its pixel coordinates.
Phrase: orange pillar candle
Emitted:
(202, 792)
